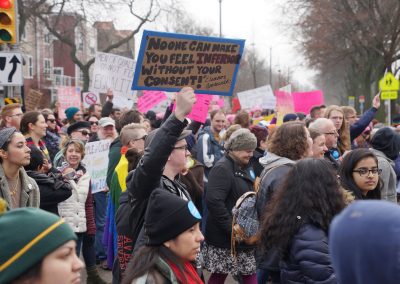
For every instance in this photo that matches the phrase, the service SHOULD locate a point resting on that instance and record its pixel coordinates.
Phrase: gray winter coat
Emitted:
(388, 176)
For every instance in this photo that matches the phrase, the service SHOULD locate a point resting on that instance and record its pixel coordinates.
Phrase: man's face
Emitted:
(14, 119)
(351, 118)
(97, 111)
(243, 156)
(117, 114)
(81, 134)
(218, 122)
(331, 135)
(107, 132)
(178, 157)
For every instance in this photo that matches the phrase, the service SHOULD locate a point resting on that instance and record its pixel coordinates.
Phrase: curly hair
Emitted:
(309, 194)
(242, 118)
(347, 166)
(289, 140)
(344, 143)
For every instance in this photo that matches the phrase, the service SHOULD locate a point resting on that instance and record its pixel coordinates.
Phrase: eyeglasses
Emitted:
(84, 132)
(51, 120)
(141, 138)
(17, 114)
(94, 122)
(184, 147)
(365, 172)
(334, 133)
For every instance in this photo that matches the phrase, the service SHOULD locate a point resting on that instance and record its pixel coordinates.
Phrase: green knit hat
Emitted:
(27, 235)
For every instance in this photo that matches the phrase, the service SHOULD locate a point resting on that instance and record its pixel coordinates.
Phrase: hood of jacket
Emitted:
(271, 160)
(380, 154)
(361, 255)
(40, 178)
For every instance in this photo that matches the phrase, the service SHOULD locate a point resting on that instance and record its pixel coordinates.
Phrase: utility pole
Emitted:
(270, 66)
(220, 18)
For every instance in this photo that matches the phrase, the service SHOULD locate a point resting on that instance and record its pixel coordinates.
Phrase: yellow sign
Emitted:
(389, 95)
(389, 83)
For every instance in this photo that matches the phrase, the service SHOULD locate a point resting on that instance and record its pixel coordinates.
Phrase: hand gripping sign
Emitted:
(168, 62)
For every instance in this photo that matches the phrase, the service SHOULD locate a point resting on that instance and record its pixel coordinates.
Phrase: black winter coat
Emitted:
(308, 259)
(53, 190)
(148, 175)
(226, 183)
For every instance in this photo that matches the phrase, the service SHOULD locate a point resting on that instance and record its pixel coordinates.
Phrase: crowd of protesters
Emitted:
(165, 214)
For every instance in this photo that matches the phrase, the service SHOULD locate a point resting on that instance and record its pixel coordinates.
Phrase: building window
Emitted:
(30, 66)
(47, 68)
(47, 37)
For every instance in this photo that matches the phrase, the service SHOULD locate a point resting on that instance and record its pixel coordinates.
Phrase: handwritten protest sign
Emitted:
(200, 109)
(303, 102)
(32, 99)
(68, 97)
(96, 162)
(171, 61)
(284, 103)
(113, 72)
(150, 99)
(90, 98)
(261, 97)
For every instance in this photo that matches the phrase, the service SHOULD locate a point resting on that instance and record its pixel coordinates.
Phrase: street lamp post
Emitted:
(220, 18)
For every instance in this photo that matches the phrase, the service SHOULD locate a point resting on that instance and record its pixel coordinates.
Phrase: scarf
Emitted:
(189, 275)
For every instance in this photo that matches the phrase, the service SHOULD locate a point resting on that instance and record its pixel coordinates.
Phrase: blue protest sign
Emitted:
(169, 62)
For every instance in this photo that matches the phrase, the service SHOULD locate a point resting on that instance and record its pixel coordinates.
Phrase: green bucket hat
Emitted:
(27, 235)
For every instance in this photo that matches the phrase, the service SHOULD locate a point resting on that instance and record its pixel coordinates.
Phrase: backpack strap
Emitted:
(243, 197)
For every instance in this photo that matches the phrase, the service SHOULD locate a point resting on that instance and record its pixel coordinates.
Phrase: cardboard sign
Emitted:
(172, 61)
(96, 162)
(262, 97)
(90, 98)
(150, 99)
(113, 72)
(304, 101)
(32, 99)
(68, 97)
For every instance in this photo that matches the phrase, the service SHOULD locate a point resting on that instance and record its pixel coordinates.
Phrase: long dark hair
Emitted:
(309, 194)
(146, 258)
(346, 174)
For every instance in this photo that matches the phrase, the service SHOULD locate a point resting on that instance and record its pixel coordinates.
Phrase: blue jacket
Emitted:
(209, 151)
(308, 259)
(357, 128)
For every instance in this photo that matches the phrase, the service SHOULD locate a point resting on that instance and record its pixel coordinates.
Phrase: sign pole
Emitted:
(389, 112)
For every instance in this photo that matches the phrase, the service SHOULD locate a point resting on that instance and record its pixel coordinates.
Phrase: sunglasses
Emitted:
(141, 138)
(94, 122)
(84, 132)
(51, 120)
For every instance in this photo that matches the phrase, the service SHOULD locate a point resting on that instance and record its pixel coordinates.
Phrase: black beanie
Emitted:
(387, 141)
(167, 216)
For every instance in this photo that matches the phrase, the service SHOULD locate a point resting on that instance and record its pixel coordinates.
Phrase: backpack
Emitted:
(245, 219)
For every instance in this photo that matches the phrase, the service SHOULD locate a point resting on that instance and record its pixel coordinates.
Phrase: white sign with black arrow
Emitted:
(11, 69)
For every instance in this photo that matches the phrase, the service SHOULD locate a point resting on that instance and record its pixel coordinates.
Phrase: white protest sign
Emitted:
(261, 97)
(90, 98)
(123, 102)
(96, 162)
(113, 72)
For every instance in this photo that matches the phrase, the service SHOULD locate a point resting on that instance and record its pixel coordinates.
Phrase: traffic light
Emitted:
(8, 21)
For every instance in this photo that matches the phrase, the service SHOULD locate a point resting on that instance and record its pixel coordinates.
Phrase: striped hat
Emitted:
(27, 235)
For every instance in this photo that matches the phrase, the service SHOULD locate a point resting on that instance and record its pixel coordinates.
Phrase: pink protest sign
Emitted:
(200, 109)
(68, 97)
(304, 101)
(150, 99)
(284, 104)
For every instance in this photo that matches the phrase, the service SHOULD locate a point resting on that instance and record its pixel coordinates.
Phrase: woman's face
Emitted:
(51, 122)
(309, 143)
(337, 118)
(365, 175)
(319, 147)
(62, 266)
(73, 156)
(94, 124)
(17, 152)
(39, 128)
(187, 245)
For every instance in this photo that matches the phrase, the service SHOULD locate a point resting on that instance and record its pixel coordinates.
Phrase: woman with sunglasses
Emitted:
(52, 138)
(359, 174)
(77, 211)
(94, 128)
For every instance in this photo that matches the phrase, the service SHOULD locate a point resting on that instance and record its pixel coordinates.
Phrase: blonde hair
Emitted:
(78, 144)
(344, 143)
(128, 132)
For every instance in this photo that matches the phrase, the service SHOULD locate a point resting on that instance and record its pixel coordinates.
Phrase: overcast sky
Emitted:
(259, 23)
